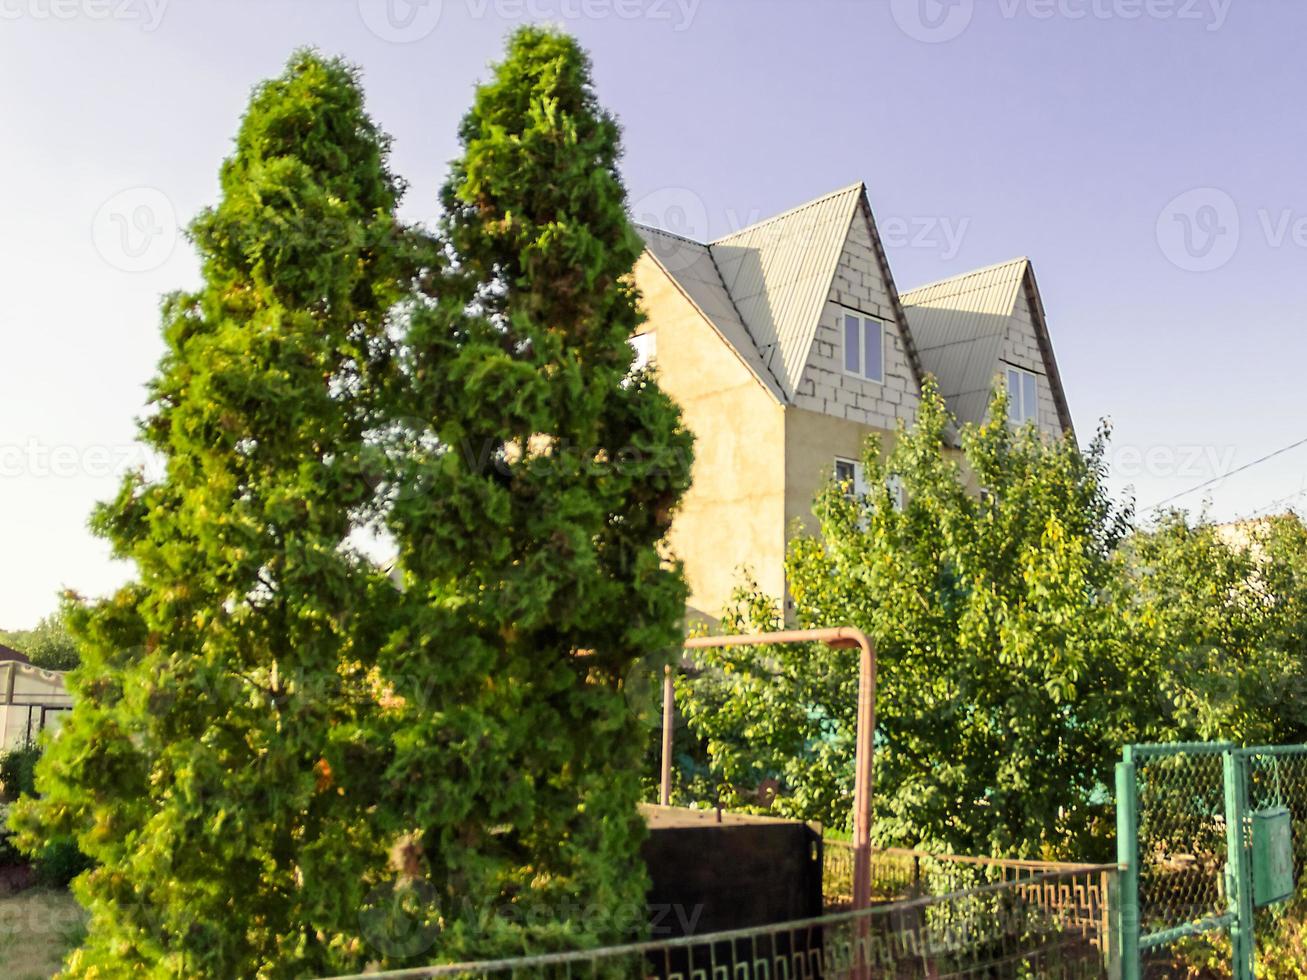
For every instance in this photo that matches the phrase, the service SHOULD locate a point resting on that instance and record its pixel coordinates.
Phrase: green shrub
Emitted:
(60, 861)
(9, 854)
(18, 771)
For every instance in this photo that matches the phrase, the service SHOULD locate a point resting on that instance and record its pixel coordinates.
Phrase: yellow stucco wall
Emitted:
(812, 441)
(734, 513)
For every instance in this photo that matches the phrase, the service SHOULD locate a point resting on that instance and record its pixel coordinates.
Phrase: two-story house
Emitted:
(787, 345)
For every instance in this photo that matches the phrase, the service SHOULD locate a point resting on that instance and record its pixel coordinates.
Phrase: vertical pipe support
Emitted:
(1238, 869)
(839, 638)
(1127, 856)
(669, 721)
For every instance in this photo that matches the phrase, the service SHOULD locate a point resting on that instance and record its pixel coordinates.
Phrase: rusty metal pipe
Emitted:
(839, 637)
(669, 719)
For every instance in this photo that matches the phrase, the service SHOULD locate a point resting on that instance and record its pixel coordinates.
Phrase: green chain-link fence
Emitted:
(1197, 828)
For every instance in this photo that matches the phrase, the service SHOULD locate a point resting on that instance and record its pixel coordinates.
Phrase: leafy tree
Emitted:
(217, 765)
(48, 644)
(1226, 611)
(531, 560)
(1005, 678)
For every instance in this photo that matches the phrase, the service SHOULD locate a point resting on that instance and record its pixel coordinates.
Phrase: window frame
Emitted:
(860, 488)
(1017, 396)
(864, 322)
(859, 481)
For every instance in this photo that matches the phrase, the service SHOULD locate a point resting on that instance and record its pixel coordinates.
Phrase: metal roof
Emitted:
(690, 266)
(779, 273)
(959, 325)
(764, 287)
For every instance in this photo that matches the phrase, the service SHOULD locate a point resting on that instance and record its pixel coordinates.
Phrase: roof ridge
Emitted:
(670, 234)
(767, 358)
(1022, 259)
(787, 213)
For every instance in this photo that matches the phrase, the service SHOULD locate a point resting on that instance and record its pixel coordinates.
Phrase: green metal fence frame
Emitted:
(1238, 918)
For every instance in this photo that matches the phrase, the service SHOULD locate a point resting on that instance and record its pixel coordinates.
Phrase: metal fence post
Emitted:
(1127, 856)
(1237, 867)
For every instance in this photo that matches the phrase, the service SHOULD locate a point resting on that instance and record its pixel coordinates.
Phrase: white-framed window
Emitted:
(850, 473)
(864, 347)
(645, 346)
(1022, 396)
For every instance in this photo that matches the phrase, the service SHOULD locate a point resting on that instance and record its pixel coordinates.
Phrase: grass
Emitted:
(37, 928)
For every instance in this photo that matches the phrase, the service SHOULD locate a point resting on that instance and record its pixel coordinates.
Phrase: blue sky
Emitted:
(1148, 155)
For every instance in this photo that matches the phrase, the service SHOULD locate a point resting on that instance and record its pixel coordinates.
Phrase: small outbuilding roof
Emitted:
(9, 653)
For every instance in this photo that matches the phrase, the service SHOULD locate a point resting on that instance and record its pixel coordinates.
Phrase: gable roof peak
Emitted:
(765, 285)
(851, 191)
(1005, 271)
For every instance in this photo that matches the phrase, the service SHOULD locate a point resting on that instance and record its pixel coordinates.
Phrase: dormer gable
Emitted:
(986, 326)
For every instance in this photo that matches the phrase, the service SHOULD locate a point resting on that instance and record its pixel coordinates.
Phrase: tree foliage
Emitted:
(1000, 658)
(217, 765)
(48, 644)
(282, 764)
(1223, 613)
(533, 580)
(1025, 631)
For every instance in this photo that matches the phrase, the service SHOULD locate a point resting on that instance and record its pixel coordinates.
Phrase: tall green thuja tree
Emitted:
(531, 552)
(217, 765)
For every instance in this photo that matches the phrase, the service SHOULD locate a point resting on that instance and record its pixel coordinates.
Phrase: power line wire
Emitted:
(1222, 476)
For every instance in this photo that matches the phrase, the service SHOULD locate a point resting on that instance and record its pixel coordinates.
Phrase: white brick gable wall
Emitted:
(859, 287)
(1021, 348)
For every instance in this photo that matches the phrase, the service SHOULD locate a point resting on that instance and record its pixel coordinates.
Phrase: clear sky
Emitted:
(1148, 155)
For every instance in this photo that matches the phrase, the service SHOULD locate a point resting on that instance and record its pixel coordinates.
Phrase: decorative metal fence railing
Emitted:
(1197, 827)
(1007, 929)
(1079, 897)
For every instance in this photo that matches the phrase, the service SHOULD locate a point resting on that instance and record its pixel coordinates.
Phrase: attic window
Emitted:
(864, 347)
(1022, 396)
